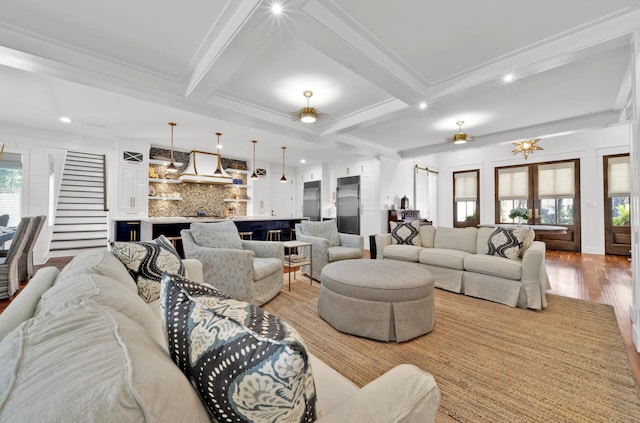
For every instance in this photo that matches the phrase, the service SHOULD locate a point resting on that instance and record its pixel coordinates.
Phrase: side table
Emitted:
(289, 264)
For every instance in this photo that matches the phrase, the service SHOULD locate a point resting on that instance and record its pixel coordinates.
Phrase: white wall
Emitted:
(589, 147)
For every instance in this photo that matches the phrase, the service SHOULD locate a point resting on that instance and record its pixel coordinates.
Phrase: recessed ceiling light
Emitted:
(509, 77)
(65, 119)
(276, 8)
(423, 105)
(219, 147)
(303, 161)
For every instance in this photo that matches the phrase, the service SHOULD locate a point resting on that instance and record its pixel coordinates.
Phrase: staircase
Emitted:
(81, 215)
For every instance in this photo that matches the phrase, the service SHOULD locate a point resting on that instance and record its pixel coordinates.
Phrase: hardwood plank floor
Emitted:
(591, 277)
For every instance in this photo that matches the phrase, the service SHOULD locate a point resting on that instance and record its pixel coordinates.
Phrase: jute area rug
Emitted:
(492, 363)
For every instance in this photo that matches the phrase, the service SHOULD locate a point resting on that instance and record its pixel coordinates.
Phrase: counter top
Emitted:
(560, 229)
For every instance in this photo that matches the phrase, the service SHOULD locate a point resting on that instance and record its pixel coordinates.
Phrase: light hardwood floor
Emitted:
(591, 277)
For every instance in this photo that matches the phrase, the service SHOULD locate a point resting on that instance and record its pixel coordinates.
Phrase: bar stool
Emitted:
(174, 240)
(292, 234)
(248, 235)
(273, 234)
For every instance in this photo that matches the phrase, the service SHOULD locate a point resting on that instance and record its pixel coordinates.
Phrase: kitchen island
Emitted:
(170, 227)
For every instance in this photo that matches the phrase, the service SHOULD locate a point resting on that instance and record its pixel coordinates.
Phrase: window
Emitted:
(513, 191)
(11, 186)
(556, 191)
(466, 198)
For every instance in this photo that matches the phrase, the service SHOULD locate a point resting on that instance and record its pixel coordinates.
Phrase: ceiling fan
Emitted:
(308, 114)
(461, 137)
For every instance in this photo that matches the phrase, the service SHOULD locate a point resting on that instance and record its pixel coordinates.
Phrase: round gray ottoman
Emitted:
(386, 300)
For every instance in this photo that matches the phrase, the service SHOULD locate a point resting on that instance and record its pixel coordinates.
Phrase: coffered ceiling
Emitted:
(122, 70)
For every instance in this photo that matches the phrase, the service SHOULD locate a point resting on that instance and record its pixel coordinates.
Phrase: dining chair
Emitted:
(25, 264)
(9, 283)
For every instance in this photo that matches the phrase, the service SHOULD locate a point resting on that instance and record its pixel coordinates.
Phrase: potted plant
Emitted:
(519, 214)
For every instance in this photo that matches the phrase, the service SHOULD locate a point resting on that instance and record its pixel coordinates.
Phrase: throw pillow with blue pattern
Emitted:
(146, 261)
(246, 364)
(406, 233)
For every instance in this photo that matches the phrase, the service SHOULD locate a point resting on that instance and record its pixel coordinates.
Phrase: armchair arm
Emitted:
(382, 240)
(320, 256)
(265, 249)
(353, 241)
(534, 275)
(403, 394)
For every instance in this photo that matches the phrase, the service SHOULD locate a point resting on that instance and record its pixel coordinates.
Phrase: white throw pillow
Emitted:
(507, 242)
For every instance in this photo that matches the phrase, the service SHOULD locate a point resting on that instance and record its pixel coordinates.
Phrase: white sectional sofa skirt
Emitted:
(459, 262)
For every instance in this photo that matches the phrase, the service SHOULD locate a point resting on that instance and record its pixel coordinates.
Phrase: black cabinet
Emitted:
(127, 230)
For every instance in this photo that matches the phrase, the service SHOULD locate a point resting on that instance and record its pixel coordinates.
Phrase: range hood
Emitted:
(201, 168)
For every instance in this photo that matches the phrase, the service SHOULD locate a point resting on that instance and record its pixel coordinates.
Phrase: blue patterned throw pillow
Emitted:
(406, 233)
(246, 364)
(146, 261)
(507, 242)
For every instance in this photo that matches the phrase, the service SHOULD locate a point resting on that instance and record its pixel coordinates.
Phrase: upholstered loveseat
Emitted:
(81, 345)
(460, 261)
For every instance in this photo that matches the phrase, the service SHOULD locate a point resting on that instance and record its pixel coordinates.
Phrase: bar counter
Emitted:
(170, 227)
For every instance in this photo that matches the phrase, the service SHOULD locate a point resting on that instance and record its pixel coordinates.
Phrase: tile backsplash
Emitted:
(208, 198)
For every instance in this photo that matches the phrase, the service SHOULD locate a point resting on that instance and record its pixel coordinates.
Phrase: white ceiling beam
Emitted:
(370, 114)
(220, 61)
(364, 147)
(544, 130)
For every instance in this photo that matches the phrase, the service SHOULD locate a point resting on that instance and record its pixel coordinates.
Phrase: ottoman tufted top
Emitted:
(377, 280)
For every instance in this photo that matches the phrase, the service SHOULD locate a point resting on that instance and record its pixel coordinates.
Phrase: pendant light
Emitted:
(218, 171)
(172, 167)
(284, 178)
(254, 175)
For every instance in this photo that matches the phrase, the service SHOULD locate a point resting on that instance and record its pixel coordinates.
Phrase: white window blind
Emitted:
(513, 183)
(619, 176)
(466, 186)
(556, 180)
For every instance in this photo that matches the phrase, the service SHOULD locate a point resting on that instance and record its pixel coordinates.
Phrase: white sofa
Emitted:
(456, 257)
(80, 345)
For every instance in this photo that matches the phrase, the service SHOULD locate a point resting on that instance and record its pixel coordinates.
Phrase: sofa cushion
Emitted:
(402, 252)
(507, 242)
(263, 267)
(216, 235)
(327, 229)
(405, 233)
(103, 291)
(98, 262)
(89, 364)
(456, 239)
(483, 238)
(494, 266)
(246, 364)
(452, 259)
(338, 253)
(427, 235)
(146, 261)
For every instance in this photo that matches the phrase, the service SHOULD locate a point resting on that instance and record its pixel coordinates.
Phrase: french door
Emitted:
(550, 192)
(617, 213)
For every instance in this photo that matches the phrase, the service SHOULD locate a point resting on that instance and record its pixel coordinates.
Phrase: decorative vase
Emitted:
(519, 221)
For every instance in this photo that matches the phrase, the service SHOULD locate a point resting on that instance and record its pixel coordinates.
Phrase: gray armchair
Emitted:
(245, 270)
(328, 245)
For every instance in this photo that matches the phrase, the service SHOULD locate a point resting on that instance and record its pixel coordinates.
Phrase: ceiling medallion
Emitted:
(526, 147)
(308, 114)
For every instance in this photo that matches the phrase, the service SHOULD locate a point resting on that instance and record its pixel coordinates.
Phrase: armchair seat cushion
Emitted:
(344, 253)
(443, 257)
(263, 267)
(494, 266)
(402, 252)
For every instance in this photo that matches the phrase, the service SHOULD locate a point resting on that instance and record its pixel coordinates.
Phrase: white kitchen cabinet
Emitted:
(133, 190)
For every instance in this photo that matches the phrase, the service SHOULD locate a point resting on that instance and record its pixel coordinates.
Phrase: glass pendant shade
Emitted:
(218, 171)
(172, 167)
(253, 175)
